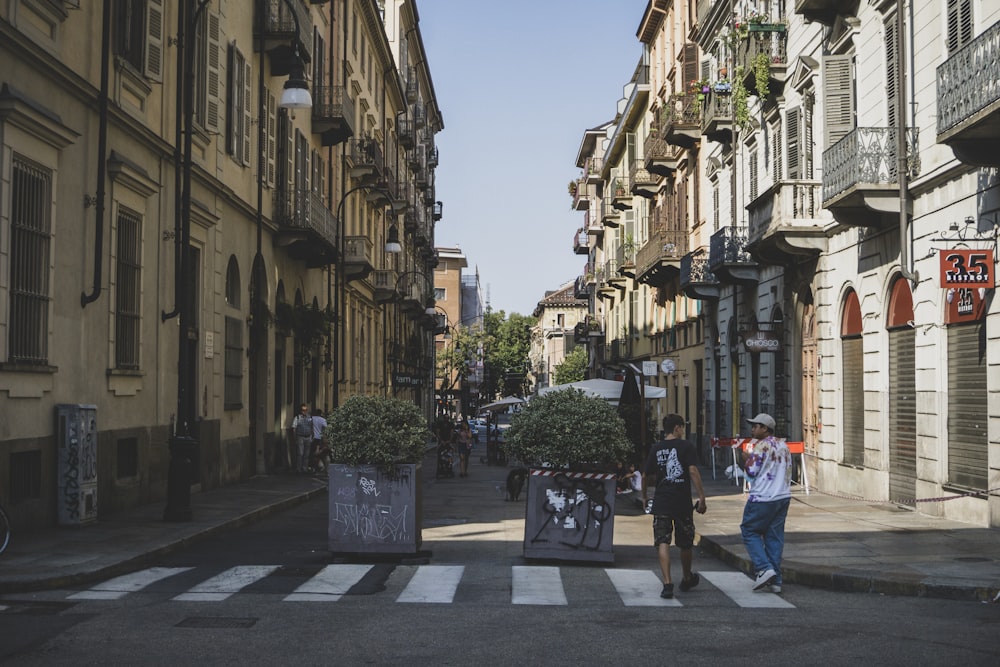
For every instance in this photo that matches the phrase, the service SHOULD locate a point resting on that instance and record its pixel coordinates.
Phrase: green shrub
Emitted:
(567, 428)
(376, 430)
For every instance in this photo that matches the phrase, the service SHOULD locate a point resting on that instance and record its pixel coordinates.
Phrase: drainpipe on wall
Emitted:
(905, 256)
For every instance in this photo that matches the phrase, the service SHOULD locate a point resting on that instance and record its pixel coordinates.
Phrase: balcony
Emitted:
(826, 11)
(432, 157)
(728, 257)
(662, 159)
(581, 288)
(771, 48)
(968, 101)
(412, 85)
(860, 184)
(659, 259)
(405, 131)
(681, 120)
(274, 33)
(644, 184)
(717, 119)
(592, 168)
(366, 160)
(614, 274)
(307, 229)
(581, 195)
(592, 224)
(696, 280)
(621, 196)
(332, 114)
(357, 257)
(437, 210)
(625, 256)
(581, 244)
(610, 216)
(384, 283)
(621, 349)
(784, 223)
(402, 194)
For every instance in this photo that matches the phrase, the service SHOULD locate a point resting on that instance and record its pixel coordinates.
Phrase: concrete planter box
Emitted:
(375, 510)
(570, 516)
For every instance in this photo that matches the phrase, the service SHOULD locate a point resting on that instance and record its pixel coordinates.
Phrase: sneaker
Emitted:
(688, 584)
(775, 588)
(764, 578)
(667, 592)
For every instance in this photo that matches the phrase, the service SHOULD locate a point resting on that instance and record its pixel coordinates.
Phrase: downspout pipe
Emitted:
(178, 157)
(905, 260)
(102, 148)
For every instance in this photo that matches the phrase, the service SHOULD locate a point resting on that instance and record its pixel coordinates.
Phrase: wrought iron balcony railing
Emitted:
(865, 157)
(274, 29)
(729, 246)
(680, 120)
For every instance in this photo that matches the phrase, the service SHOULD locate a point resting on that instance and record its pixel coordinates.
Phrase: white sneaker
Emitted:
(764, 578)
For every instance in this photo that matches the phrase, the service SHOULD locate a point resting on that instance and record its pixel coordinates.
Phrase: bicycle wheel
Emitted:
(4, 530)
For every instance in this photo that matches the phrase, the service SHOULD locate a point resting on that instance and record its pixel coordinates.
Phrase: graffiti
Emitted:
(77, 464)
(71, 482)
(372, 523)
(368, 487)
(575, 512)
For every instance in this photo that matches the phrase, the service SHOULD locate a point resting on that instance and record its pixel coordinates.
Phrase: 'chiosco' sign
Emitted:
(762, 341)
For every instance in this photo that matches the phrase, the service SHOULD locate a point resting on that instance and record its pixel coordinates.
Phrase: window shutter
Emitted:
(793, 123)
(690, 69)
(270, 156)
(212, 97)
(777, 148)
(838, 97)
(247, 112)
(754, 174)
(154, 40)
(891, 64)
(232, 102)
(959, 28)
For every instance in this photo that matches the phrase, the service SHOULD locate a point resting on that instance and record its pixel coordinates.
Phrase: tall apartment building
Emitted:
(832, 167)
(184, 260)
(553, 337)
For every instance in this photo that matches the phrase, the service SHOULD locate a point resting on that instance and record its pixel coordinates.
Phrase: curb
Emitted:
(130, 564)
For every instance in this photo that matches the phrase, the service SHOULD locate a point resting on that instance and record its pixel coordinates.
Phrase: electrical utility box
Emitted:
(76, 453)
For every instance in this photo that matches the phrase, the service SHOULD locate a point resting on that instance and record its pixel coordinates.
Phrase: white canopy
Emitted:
(502, 404)
(609, 390)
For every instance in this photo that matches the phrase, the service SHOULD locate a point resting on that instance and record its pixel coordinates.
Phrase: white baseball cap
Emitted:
(764, 420)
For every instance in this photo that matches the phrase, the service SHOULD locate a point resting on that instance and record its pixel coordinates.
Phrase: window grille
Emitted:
(30, 238)
(128, 269)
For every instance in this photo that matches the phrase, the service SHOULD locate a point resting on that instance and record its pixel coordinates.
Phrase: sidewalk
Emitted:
(830, 542)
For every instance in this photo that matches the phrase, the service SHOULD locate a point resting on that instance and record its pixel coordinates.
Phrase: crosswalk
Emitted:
(428, 584)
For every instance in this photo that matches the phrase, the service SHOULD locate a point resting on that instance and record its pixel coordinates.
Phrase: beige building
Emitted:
(553, 335)
(183, 275)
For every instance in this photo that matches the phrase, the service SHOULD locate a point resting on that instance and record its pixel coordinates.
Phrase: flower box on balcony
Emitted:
(767, 27)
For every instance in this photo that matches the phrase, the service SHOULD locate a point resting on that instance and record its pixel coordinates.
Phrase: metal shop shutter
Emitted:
(902, 416)
(967, 406)
(854, 401)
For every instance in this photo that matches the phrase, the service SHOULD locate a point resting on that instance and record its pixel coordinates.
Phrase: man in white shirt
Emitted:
(768, 466)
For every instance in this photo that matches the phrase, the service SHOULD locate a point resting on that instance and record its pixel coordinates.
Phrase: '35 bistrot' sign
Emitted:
(962, 267)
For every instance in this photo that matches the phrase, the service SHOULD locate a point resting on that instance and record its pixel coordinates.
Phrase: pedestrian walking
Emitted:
(319, 452)
(768, 466)
(302, 429)
(464, 441)
(673, 463)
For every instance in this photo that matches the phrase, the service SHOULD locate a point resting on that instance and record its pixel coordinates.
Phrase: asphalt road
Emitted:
(250, 597)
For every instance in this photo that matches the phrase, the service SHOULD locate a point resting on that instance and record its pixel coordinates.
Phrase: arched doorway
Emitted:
(810, 386)
(852, 406)
(902, 395)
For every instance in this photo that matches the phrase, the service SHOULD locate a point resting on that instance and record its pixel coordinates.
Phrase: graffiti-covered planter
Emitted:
(374, 509)
(570, 516)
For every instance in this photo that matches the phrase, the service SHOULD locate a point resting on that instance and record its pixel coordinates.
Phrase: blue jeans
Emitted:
(763, 530)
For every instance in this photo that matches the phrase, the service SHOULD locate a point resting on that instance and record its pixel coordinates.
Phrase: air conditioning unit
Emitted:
(76, 484)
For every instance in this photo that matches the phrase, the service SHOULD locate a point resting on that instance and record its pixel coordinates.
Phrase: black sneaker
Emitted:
(688, 584)
(667, 592)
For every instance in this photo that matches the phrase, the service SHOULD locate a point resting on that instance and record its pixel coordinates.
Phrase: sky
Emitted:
(518, 82)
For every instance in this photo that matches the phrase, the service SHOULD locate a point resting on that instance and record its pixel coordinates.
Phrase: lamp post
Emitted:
(183, 444)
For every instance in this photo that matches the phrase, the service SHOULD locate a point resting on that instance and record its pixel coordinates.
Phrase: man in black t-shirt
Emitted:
(673, 464)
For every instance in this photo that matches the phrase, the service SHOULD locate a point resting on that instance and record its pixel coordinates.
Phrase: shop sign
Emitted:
(965, 304)
(401, 380)
(964, 267)
(762, 341)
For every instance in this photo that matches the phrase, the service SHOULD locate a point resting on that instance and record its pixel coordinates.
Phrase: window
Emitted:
(959, 31)
(792, 127)
(754, 175)
(30, 239)
(238, 110)
(439, 294)
(206, 72)
(233, 282)
(838, 96)
(234, 364)
(891, 68)
(128, 268)
(139, 35)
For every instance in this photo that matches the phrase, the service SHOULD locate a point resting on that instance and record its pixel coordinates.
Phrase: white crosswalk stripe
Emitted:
(332, 582)
(537, 585)
(640, 588)
(433, 583)
(439, 584)
(227, 583)
(737, 586)
(119, 587)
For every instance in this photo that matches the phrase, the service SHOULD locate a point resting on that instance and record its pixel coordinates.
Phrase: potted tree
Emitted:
(570, 442)
(376, 447)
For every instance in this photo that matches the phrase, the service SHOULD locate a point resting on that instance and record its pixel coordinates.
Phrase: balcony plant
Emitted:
(762, 73)
(376, 446)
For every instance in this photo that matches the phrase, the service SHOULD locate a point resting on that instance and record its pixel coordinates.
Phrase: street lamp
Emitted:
(182, 443)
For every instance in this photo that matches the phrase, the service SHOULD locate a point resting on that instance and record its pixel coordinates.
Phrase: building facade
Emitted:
(815, 189)
(183, 258)
(553, 336)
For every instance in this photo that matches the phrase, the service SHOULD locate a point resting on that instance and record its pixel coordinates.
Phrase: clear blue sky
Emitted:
(518, 82)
